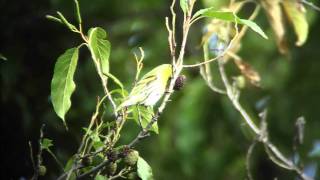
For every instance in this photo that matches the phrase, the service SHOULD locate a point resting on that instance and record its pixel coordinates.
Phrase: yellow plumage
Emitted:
(150, 88)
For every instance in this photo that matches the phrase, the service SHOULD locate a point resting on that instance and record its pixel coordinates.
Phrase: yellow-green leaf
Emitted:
(62, 84)
(184, 4)
(274, 14)
(296, 16)
(144, 170)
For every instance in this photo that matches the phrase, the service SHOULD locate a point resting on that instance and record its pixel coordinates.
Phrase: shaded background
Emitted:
(201, 135)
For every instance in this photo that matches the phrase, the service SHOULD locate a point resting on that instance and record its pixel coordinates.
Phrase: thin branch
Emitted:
(84, 138)
(94, 170)
(120, 174)
(249, 155)
(39, 156)
(235, 101)
(310, 4)
(173, 26)
(205, 72)
(32, 158)
(64, 175)
(232, 42)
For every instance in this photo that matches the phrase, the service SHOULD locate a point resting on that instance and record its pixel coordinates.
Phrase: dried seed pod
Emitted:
(180, 81)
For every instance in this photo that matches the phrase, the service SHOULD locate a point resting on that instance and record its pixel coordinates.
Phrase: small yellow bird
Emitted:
(150, 88)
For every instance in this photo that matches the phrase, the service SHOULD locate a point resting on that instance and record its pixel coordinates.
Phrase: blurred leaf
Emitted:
(3, 57)
(144, 170)
(46, 143)
(315, 152)
(145, 114)
(310, 170)
(98, 144)
(230, 16)
(94, 136)
(249, 72)
(274, 14)
(100, 48)
(296, 15)
(69, 164)
(100, 177)
(62, 85)
(184, 4)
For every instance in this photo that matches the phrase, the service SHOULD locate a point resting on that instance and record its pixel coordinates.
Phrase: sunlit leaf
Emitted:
(230, 16)
(100, 48)
(296, 15)
(144, 170)
(274, 14)
(184, 4)
(62, 85)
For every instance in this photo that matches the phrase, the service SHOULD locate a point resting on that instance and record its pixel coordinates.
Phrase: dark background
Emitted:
(201, 135)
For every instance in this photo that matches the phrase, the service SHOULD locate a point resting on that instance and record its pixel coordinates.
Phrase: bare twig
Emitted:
(94, 170)
(273, 152)
(310, 4)
(121, 173)
(38, 163)
(249, 155)
(81, 148)
(205, 72)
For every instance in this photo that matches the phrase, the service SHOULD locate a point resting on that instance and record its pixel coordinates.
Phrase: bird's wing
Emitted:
(143, 85)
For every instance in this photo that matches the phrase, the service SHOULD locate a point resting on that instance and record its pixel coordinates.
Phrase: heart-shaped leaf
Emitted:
(100, 48)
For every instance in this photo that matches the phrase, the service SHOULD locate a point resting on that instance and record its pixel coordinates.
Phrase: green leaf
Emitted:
(55, 19)
(296, 16)
(46, 143)
(100, 177)
(69, 163)
(184, 4)
(144, 170)
(229, 16)
(100, 48)
(62, 84)
(145, 114)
